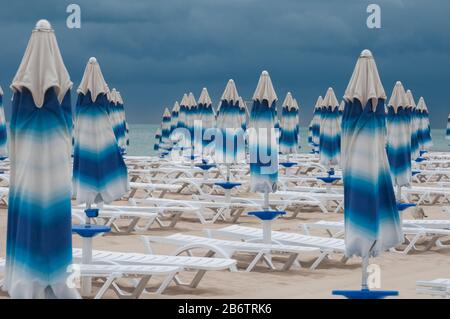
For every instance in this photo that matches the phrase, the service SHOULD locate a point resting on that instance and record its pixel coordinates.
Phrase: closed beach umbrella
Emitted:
(263, 145)
(398, 124)
(330, 131)
(229, 141)
(243, 111)
(165, 129)
(158, 135)
(174, 119)
(3, 133)
(122, 123)
(447, 136)
(39, 235)
(182, 132)
(289, 126)
(315, 124)
(191, 116)
(99, 171)
(114, 115)
(296, 105)
(205, 123)
(424, 136)
(372, 222)
(415, 122)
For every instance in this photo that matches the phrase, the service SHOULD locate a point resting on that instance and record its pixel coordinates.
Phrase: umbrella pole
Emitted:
(399, 193)
(228, 172)
(86, 282)
(365, 275)
(267, 227)
(266, 200)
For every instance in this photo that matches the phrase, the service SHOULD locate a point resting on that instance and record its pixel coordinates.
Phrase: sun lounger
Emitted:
(413, 230)
(431, 195)
(326, 246)
(198, 264)
(437, 287)
(228, 249)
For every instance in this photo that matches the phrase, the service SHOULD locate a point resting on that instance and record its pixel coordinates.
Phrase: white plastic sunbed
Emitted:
(228, 249)
(413, 230)
(109, 276)
(431, 195)
(326, 246)
(437, 287)
(198, 264)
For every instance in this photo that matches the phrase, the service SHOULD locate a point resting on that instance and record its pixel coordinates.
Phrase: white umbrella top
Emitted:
(230, 94)
(42, 66)
(296, 104)
(119, 98)
(342, 106)
(112, 96)
(265, 90)
(398, 97)
(410, 99)
(176, 107)
(184, 100)
(330, 100)
(204, 97)
(1, 91)
(166, 112)
(191, 103)
(365, 83)
(289, 102)
(421, 105)
(93, 80)
(318, 103)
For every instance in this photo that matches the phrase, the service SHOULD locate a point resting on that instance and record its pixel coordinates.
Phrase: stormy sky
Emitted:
(155, 50)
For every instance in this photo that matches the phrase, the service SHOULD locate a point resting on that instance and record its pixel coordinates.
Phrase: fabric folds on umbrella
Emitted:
(415, 124)
(165, 130)
(205, 124)
(330, 131)
(3, 130)
(39, 234)
(371, 216)
(399, 136)
(263, 145)
(424, 132)
(229, 139)
(158, 136)
(315, 125)
(99, 171)
(289, 126)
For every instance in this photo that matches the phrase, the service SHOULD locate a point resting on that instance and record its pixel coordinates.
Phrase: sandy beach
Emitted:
(399, 272)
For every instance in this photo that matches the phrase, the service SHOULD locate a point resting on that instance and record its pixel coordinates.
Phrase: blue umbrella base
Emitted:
(420, 159)
(89, 231)
(365, 294)
(329, 179)
(227, 185)
(205, 167)
(403, 206)
(288, 164)
(267, 214)
(414, 173)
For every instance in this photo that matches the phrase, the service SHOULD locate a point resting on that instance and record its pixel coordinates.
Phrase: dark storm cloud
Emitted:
(154, 51)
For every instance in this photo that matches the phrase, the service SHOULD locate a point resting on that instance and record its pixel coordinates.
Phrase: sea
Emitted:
(142, 140)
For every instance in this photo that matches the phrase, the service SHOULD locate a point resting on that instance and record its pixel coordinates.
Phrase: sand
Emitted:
(398, 271)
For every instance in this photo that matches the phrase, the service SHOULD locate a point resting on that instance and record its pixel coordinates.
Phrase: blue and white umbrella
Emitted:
(174, 119)
(99, 171)
(3, 130)
(114, 113)
(330, 131)
(182, 133)
(424, 135)
(165, 130)
(229, 140)
(158, 135)
(263, 145)
(191, 117)
(289, 126)
(122, 123)
(372, 222)
(243, 111)
(398, 124)
(315, 124)
(39, 235)
(447, 136)
(205, 124)
(415, 124)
